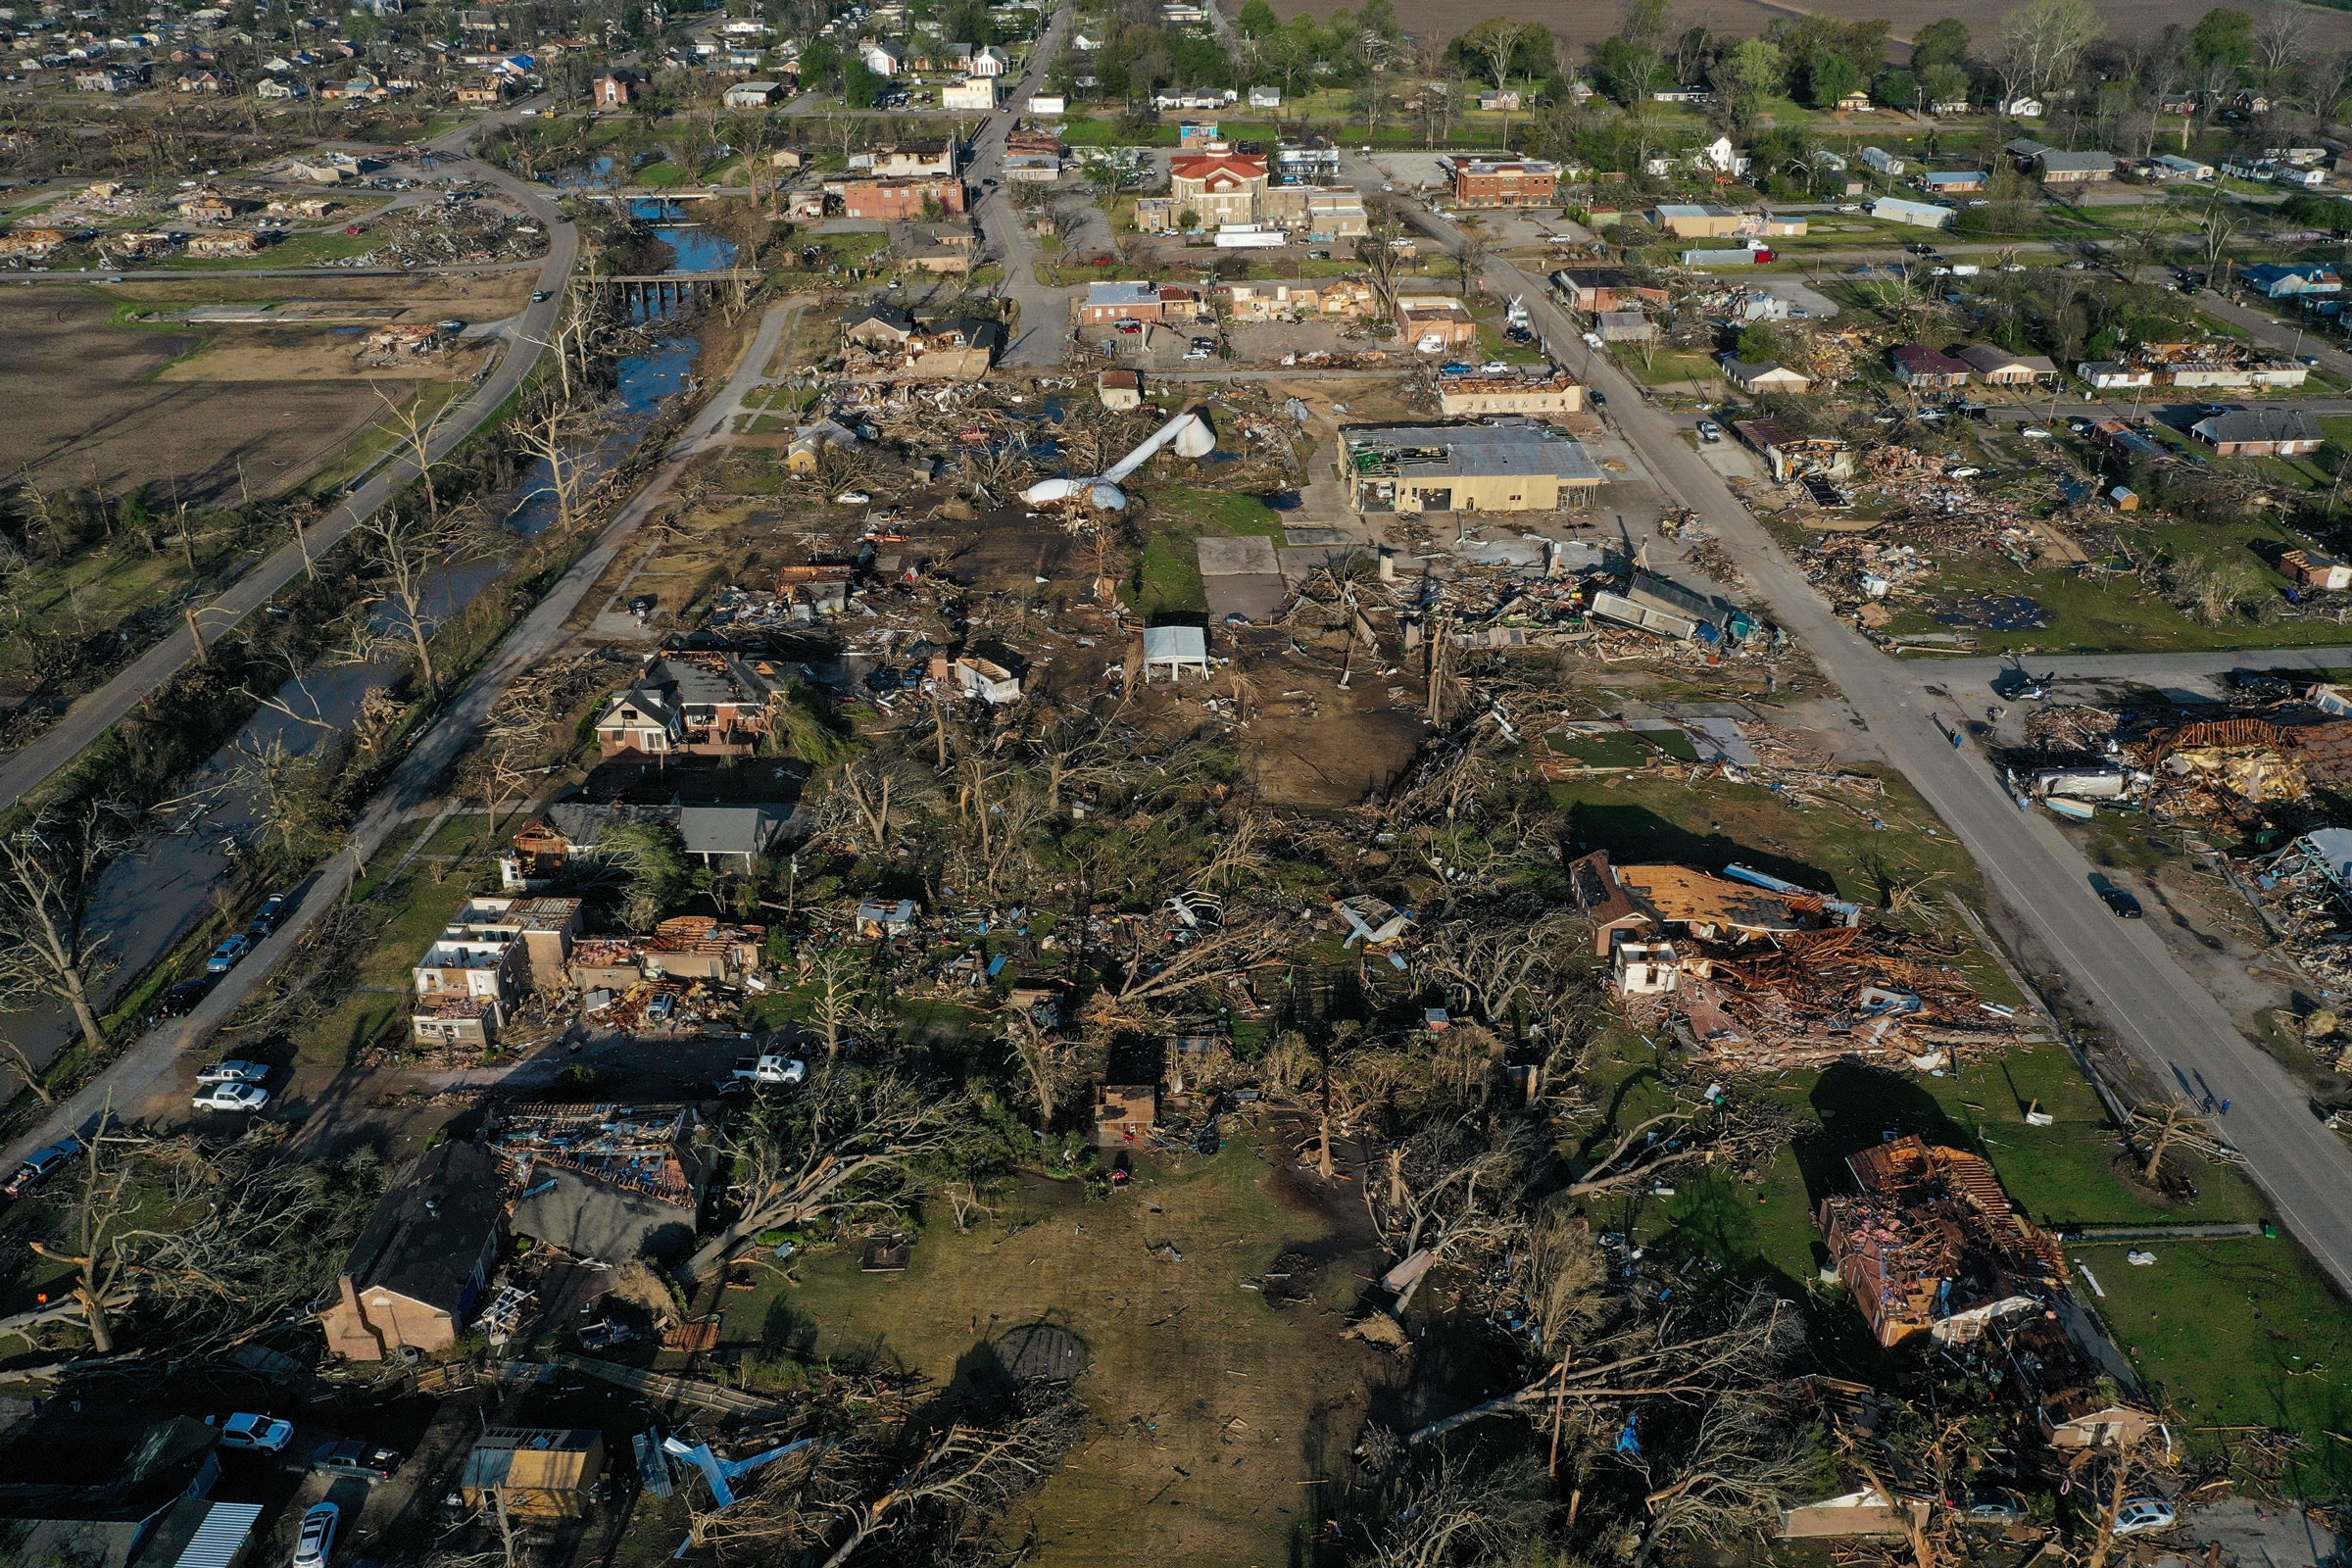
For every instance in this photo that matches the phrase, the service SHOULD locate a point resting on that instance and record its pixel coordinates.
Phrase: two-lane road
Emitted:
(1043, 324)
(98, 711)
(2170, 1022)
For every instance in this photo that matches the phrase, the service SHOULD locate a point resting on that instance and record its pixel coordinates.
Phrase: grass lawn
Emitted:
(1667, 368)
(1168, 576)
(1628, 748)
(313, 249)
(365, 449)
(2276, 1363)
(378, 994)
(2230, 1332)
(1851, 844)
(1211, 1408)
(2116, 613)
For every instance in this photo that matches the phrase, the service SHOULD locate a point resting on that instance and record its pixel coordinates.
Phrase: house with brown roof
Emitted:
(1125, 1114)
(541, 1474)
(1997, 366)
(1442, 317)
(1917, 365)
(1931, 1247)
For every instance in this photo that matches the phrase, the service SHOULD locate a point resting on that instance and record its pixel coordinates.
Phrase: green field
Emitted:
(1212, 1408)
(1858, 846)
(1169, 574)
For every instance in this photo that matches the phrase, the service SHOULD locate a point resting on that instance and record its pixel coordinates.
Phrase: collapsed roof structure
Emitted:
(1931, 1244)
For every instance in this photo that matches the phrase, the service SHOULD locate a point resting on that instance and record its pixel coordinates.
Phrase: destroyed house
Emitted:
(691, 703)
(1470, 468)
(606, 1182)
(1932, 1246)
(1653, 899)
(2259, 759)
(1716, 910)
(1607, 901)
(2081, 1389)
(700, 947)
(1794, 456)
(417, 1271)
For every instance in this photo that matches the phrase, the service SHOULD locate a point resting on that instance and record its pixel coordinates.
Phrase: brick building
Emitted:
(899, 200)
(1506, 182)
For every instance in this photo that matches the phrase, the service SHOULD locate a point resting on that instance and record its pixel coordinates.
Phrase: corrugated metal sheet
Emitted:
(222, 1537)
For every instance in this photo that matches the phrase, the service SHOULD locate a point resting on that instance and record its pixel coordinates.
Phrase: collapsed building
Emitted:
(1747, 967)
(604, 1182)
(1932, 1247)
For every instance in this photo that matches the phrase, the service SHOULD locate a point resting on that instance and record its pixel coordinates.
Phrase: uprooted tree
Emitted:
(850, 1146)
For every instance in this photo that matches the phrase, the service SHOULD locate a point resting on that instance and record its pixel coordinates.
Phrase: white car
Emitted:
(317, 1543)
(232, 1072)
(2033, 432)
(1199, 354)
(2144, 1513)
(264, 1434)
(1493, 368)
(232, 1096)
(852, 497)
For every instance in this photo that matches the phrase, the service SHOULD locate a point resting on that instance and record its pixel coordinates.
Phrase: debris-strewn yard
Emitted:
(1213, 1414)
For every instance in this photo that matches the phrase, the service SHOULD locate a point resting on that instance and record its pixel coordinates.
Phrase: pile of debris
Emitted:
(1754, 971)
(457, 230)
(2304, 893)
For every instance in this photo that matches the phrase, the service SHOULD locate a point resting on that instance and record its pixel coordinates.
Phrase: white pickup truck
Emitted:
(768, 1071)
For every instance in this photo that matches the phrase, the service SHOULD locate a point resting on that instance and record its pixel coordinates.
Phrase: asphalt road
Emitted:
(98, 711)
(141, 1067)
(2171, 1023)
(1044, 323)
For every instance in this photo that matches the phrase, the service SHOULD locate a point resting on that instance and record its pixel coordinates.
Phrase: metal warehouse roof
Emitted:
(221, 1536)
(1473, 449)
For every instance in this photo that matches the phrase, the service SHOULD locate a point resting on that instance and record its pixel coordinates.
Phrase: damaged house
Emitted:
(417, 1271)
(692, 704)
(1931, 1245)
(490, 953)
(723, 838)
(610, 1183)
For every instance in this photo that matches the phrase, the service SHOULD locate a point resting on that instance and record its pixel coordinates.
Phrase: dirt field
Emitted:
(87, 403)
(1583, 24)
(487, 297)
(311, 353)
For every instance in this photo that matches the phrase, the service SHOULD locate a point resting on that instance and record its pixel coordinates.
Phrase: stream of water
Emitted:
(149, 898)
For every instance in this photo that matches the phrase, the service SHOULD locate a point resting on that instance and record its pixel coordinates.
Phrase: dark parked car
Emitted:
(182, 997)
(266, 919)
(40, 1165)
(2123, 904)
(352, 1457)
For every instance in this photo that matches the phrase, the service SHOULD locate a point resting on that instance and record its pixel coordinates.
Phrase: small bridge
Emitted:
(661, 293)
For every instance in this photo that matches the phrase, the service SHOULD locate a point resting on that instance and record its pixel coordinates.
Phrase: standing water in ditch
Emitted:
(150, 897)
